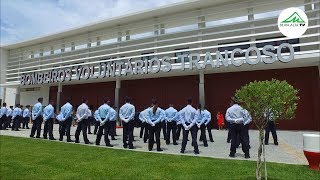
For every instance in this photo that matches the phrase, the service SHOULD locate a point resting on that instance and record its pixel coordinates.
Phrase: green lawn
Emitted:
(22, 158)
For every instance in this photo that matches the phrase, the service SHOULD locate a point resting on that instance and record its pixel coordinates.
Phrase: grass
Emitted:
(22, 158)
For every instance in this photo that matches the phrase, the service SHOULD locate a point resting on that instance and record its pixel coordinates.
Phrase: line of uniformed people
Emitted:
(15, 116)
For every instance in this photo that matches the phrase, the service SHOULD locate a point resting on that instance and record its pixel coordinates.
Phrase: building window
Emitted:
(186, 59)
(231, 48)
(147, 57)
(277, 43)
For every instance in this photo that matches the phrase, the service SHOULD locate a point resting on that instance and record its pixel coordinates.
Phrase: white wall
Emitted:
(10, 96)
(31, 97)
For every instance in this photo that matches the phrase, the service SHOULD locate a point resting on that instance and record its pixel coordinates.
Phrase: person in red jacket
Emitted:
(220, 119)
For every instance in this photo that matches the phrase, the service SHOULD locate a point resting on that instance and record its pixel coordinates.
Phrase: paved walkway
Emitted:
(290, 149)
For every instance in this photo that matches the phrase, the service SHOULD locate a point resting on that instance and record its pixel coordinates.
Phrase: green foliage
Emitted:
(279, 97)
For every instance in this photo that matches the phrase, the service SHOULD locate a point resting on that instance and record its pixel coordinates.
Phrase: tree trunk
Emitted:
(259, 163)
(264, 160)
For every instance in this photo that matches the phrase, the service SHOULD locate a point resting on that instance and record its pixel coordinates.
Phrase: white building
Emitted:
(173, 34)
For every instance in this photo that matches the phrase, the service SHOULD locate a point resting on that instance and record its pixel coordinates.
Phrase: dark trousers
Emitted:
(238, 130)
(3, 120)
(96, 126)
(128, 133)
(229, 131)
(48, 128)
(105, 128)
(25, 123)
(82, 126)
(36, 126)
(246, 129)
(179, 127)
(144, 132)
(16, 122)
(112, 129)
(271, 127)
(171, 126)
(209, 128)
(7, 122)
(194, 131)
(154, 131)
(65, 127)
(91, 121)
(203, 136)
(164, 129)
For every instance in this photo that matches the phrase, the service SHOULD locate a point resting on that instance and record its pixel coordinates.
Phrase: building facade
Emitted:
(188, 49)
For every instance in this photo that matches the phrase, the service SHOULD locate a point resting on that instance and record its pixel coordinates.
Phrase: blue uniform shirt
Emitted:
(36, 110)
(127, 112)
(235, 114)
(48, 112)
(207, 117)
(66, 111)
(26, 113)
(171, 114)
(3, 111)
(155, 117)
(9, 112)
(16, 112)
(103, 113)
(188, 114)
(112, 114)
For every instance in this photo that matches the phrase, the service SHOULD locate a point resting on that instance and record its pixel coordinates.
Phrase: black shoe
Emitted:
(31, 136)
(23, 128)
(132, 147)
(182, 151)
(125, 146)
(89, 132)
(247, 156)
(88, 142)
(27, 128)
(196, 152)
(16, 130)
(228, 141)
(70, 140)
(60, 139)
(167, 143)
(276, 143)
(109, 145)
(213, 141)
(44, 137)
(175, 143)
(113, 139)
(266, 143)
(76, 141)
(94, 133)
(38, 137)
(53, 139)
(159, 150)
(205, 145)
(232, 155)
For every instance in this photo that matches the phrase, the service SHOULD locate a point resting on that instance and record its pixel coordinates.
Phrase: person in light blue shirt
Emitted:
(7, 123)
(236, 116)
(65, 120)
(3, 115)
(188, 121)
(126, 115)
(113, 121)
(104, 118)
(207, 116)
(200, 122)
(26, 117)
(154, 117)
(97, 122)
(179, 124)
(144, 124)
(171, 119)
(16, 117)
(48, 117)
(37, 118)
(163, 124)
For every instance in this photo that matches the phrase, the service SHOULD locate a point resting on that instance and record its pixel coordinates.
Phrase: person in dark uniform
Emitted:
(154, 117)
(126, 114)
(37, 118)
(82, 115)
(171, 119)
(144, 124)
(113, 122)
(188, 121)
(208, 124)
(96, 122)
(65, 120)
(9, 118)
(200, 123)
(179, 125)
(16, 117)
(3, 115)
(271, 126)
(48, 117)
(236, 115)
(104, 114)
(26, 117)
(247, 120)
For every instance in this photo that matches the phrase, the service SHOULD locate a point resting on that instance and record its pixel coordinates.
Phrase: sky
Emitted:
(26, 19)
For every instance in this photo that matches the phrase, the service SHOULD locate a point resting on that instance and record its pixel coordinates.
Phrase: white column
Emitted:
(201, 89)
(117, 96)
(58, 103)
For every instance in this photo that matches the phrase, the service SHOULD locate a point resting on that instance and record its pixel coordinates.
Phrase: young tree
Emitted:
(264, 99)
